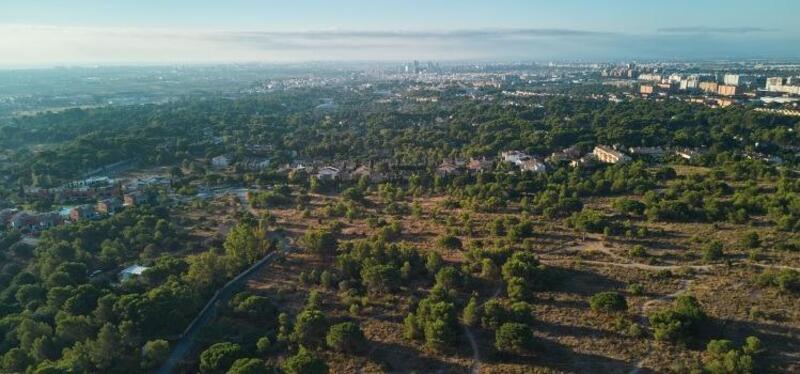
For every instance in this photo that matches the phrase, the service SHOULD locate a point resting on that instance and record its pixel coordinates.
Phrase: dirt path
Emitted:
(635, 265)
(476, 354)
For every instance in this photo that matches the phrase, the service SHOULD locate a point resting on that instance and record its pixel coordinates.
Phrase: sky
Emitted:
(64, 32)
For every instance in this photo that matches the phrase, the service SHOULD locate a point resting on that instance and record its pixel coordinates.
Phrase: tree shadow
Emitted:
(396, 358)
(581, 282)
(561, 358)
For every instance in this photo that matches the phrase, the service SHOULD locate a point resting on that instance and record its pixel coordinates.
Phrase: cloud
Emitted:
(714, 30)
(22, 45)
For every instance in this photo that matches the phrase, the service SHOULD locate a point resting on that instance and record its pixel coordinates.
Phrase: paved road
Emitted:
(186, 342)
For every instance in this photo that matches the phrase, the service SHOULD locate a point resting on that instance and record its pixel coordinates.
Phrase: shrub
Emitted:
(713, 251)
(310, 328)
(248, 366)
(513, 337)
(637, 251)
(219, 357)
(679, 322)
(449, 242)
(345, 337)
(608, 302)
(304, 362)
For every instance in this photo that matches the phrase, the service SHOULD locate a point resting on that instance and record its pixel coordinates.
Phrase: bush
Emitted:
(608, 302)
(154, 353)
(513, 338)
(304, 362)
(219, 357)
(713, 251)
(679, 322)
(723, 358)
(345, 337)
(248, 366)
(449, 242)
(310, 328)
(637, 251)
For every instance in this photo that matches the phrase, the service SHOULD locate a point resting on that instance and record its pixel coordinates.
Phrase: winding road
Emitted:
(186, 342)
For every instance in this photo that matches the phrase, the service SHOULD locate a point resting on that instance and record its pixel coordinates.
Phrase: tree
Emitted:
(345, 337)
(723, 358)
(713, 251)
(433, 262)
(380, 278)
(449, 242)
(471, 315)
(248, 366)
(219, 357)
(751, 240)
(608, 302)
(16, 361)
(411, 329)
(513, 337)
(310, 328)
(263, 345)
(679, 322)
(321, 242)
(154, 353)
(449, 277)
(304, 362)
(104, 351)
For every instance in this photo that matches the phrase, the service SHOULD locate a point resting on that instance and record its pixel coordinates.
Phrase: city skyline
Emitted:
(95, 32)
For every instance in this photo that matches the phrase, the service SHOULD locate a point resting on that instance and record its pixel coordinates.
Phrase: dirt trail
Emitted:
(476, 354)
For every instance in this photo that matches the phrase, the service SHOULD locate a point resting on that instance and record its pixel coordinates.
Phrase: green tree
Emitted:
(471, 315)
(345, 337)
(608, 302)
(104, 351)
(304, 362)
(16, 361)
(154, 353)
(248, 366)
(219, 357)
(310, 328)
(514, 337)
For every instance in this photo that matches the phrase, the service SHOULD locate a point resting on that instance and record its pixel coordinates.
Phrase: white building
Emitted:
(609, 155)
(131, 271)
(328, 173)
(731, 79)
(221, 161)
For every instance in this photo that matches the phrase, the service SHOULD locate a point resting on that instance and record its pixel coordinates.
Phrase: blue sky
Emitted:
(120, 31)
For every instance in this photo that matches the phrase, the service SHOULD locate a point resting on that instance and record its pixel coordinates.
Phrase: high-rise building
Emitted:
(774, 83)
(732, 79)
(728, 90)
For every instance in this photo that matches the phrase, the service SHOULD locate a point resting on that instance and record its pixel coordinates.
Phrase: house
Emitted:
(328, 173)
(6, 214)
(109, 206)
(566, 154)
(609, 155)
(687, 154)
(135, 198)
(82, 212)
(33, 222)
(532, 164)
(513, 156)
(646, 151)
(446, 168)
(588, 160)
(365, 170)
(255, 164)
(131, 271)
(221, 162)
(479, 165)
